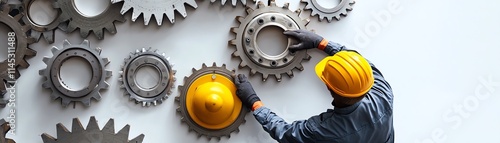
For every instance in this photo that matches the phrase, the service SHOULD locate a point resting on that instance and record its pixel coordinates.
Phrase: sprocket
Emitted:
(328, 13)
(251, 54)
(156, 8)
(60, 89)
(37, 29)
(71, 19)
(147, 58)
(92, 134)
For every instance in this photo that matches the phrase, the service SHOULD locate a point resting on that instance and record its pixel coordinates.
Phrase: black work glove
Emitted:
(306, 39)
(245, 91)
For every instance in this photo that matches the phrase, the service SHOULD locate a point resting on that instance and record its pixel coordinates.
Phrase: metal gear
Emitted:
(92, 134)
(158, 8)
(59, 89)
(9, 68)
(86, 24)
(36, 29)
(223, 2)
(147, 58)
(328, 13)
(251, 54)
(183, 110)
(3, 130)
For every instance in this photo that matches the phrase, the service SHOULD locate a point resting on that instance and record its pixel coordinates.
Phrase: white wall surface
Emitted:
(440, 57)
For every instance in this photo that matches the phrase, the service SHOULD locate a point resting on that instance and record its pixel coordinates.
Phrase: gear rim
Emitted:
(71, 19)
(233, 2)
(59, 89)
(78, 133)
(182, 110)
(328, 13)
(165, 70)
(245, 55)
(152, 8)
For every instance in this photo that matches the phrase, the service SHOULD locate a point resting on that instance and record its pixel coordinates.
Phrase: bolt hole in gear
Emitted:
(60, 89)
(134, 64)
(156, 8)
(208, 103)
(92, 134)
(18, 45)
(253, 55)
(71, 19)
(324, 12)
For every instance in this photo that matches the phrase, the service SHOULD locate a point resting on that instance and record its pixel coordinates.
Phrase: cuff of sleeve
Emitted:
(322, 45)
(257, 105)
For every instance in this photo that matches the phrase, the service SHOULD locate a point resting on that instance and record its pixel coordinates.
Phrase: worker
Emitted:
(362, 99)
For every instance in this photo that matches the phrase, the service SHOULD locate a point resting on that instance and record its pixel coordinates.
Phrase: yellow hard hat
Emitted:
(346, 73)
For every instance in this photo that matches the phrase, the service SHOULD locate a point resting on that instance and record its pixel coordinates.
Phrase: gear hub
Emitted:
(328, 13)
(208, 103)
(252, 55)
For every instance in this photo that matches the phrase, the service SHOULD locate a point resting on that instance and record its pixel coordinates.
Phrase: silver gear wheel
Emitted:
(59, 89)
(92, 134)
(156, 8)
(182, 110)
(38, 30)
(87, 24)
(3, 130)
(147, 58)
(9, 71)
(251, 54)
(328, 13)
(233, 2)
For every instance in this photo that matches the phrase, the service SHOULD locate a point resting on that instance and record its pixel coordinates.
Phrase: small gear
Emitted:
(86, 24)
(156, 8)
(38, 29)
(59, 89)
(328, 13)
(92, 134)
(3, 130)
(208, 103)
(147, 58)
(223, 2)
(9, 68)
(251, 54)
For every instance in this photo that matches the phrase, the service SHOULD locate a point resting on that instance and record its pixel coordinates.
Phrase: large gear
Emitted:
(9, 68)
(147, 58)
(208, 103)
(223, 2)
(328, 13)
(3, 130)
(92, 134)
(251, 54)
(37, 29)
(86, 24)
(156, 8)
(59, 89)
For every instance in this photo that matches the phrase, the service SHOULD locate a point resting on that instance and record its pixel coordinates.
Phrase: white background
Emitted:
(440, 57)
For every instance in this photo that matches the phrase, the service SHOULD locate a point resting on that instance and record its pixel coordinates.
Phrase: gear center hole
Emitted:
(147, 77)
(328, 3)
(4, 31)
(41, 12)
(271, 40)
(76, 73)
(91, 8)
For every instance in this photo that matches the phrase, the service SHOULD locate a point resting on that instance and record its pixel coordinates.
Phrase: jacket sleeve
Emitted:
(283, 132)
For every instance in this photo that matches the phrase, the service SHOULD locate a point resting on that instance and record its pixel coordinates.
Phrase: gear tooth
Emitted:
(307, 57)
(278, 77)
(46, 138)
(146, 17)
(286, 5)
(109, 127)
(52, 96)
(253, 72)
(224, 66)
(124, 131)
(76, 126)
(300, 67)
(137, 139)
(298, 11)
(65, 102)
(54, 50)
(234, 29)
(214, 64)
(86, 102)
(181, 9)
(177, 98)
(240, 19)
(62, 131)
(232, 42)
(249, 10)
(243, 64)
(193, 70)
(92, 126)
(272, 3)
(135, 15)
(156, 102)
(143, 104)
(203, 65)
(329, 19)
(264, 76)
(289, 73)
(85, 43)
(143, 50)
(306, 21)
(41, 72)
(260, 4)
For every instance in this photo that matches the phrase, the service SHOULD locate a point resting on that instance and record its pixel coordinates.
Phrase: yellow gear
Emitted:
(346, 73)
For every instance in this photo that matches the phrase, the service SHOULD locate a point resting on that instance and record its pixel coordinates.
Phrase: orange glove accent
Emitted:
(257, 105)
(322, 45)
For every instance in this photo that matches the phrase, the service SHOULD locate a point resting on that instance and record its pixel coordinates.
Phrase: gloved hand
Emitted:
(307, 39)
(245, 92)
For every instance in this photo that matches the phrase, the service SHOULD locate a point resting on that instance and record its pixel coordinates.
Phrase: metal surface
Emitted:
(147, 58)
(92, 134)
(10, 73)
(233, 2)
(328, 13)
(59, 89)
(251, 54)
(156, 8)
(182, 110)
(36, 29)
(3, 130)
(71, 19)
